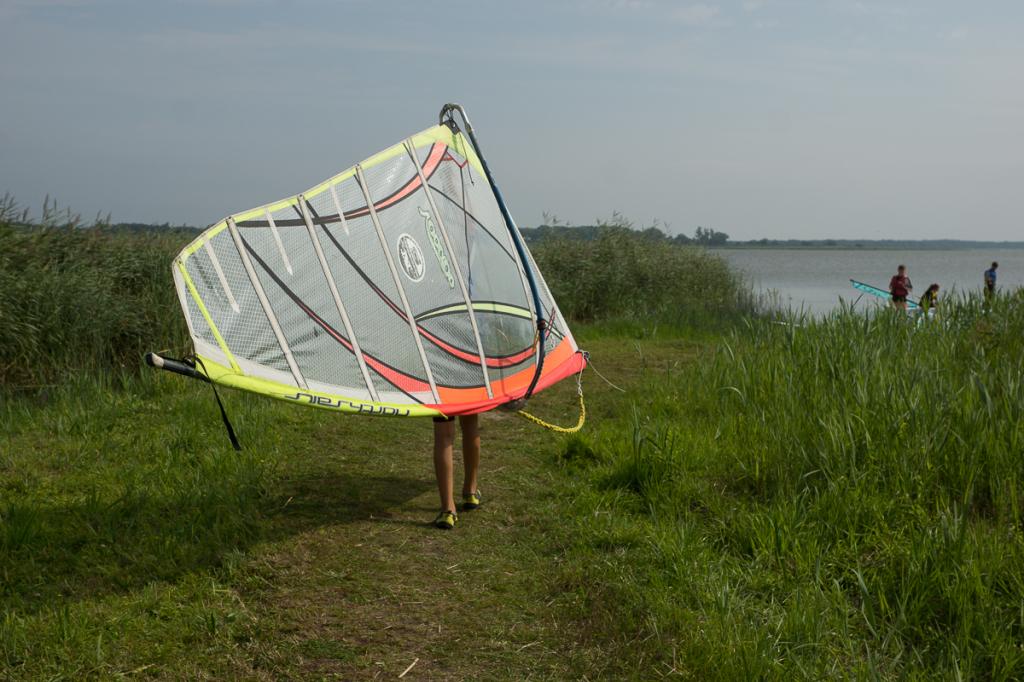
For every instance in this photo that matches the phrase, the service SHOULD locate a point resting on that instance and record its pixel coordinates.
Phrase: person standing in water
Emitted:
(900, 287)
(930, 300)
(444, 468)
(990, 282)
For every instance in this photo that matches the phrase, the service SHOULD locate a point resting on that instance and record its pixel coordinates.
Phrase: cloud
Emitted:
(629, 4)
(11, 10)
(698, 14)
(753, 5)
(959, 33)
(870, 9)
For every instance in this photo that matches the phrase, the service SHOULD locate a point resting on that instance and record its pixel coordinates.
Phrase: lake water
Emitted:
(815, 280)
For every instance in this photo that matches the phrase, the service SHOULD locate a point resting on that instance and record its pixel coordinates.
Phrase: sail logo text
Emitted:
(340, 404)
(435, 241)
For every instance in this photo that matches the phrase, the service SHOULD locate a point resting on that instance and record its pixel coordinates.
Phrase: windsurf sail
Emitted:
(400, 286)
(880, 293)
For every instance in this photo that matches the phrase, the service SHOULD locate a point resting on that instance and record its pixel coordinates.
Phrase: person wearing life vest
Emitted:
(930, 300)
(900, 287)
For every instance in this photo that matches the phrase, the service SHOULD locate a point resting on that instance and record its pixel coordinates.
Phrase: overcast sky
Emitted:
(760, 118)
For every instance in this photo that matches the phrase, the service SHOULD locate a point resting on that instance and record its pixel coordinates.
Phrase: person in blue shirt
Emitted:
(990, 282)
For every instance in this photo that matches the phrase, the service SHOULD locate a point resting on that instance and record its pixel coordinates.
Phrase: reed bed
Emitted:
(80, 299)
(76, 299)
(836, 497)
(627, 275)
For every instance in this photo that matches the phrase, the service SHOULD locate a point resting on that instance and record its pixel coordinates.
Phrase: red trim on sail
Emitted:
(400, 379)
(493, 363)
(437, 152)
(459, 401)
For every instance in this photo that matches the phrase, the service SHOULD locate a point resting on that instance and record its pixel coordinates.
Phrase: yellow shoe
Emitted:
(446, 520)
(471, 500)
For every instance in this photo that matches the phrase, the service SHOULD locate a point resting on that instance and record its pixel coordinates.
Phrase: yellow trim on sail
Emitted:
(276, 206)
(438, 133)
(226, 377)
(201, 240)
(463, 147)
(481, 307)
(206, 315)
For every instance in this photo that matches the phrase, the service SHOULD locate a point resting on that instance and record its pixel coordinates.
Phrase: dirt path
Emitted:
(134, 542)
(359, 586)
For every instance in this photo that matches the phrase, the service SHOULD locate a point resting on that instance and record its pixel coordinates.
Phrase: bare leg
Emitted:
(444, 437)
(470, 451)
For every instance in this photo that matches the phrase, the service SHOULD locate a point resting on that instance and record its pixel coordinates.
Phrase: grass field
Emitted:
(135, 541)
(833, 498)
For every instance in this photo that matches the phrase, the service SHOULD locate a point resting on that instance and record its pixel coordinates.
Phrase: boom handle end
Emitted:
(175, 366)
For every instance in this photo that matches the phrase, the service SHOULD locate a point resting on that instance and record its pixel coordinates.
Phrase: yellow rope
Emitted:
(555, 427)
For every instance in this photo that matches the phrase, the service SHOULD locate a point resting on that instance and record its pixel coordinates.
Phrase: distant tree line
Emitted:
(555, 228)
(880, 244)
(552, 227)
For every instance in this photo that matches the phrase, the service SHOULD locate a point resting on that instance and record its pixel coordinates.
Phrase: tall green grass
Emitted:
(76, 298)
(628, 275)
(837, 497)
(83, 298)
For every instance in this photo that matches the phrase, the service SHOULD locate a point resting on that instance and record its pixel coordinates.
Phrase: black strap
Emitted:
(223, 412)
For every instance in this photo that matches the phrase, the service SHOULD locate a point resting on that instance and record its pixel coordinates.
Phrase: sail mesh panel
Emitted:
(451, 369)
(410, 224)
(320, 356)
(478, 246)
(247, 333)
(490, 269)
(551, 312)
(199, 325)
(322, 210)
(383, 333)
(480, 240)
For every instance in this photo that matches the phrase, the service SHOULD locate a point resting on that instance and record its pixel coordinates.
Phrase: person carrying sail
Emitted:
(469, 424)
(930, 301)
(900, 287)
(444, 442)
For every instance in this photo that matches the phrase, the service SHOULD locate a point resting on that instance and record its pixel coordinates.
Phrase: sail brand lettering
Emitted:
(339, 404)
(435, 241)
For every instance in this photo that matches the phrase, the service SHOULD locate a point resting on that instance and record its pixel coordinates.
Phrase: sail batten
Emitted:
(318, 247)
(215, 262)
(361, 181)
(280, 246)
(337, 207)
(455, 264)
